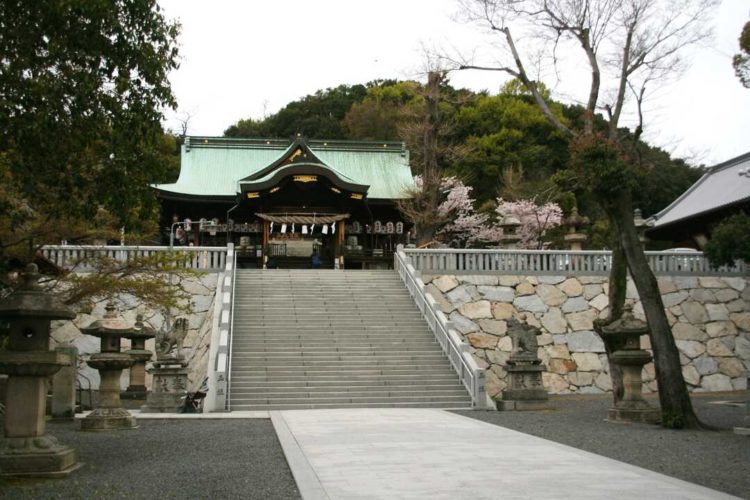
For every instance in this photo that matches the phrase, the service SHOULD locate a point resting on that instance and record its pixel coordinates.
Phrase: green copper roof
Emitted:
(213, 167)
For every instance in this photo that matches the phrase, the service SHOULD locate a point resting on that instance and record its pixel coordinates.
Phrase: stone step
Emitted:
(344, 385)
(419, 371)
(318, 358)
(374, 390)
(353, 378)
(341, 347)
(348, 396)
(314, 399)
(464, 405)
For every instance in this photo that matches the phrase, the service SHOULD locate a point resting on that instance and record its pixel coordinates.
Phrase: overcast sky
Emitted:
(247, 59)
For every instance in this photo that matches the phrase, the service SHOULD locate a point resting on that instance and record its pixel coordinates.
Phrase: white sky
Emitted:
(247, 58)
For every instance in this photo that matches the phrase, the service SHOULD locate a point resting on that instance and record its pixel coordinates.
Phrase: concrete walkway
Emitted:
(420, 453)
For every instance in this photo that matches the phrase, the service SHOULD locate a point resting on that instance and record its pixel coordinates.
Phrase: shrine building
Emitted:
(290, 203)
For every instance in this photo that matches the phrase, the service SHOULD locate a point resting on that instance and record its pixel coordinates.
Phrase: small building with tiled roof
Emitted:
(290, 198)
(722, 191)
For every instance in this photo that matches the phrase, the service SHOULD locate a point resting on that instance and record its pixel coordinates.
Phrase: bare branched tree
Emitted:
(626, 46)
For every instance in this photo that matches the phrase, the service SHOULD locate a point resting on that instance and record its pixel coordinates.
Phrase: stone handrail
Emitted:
(212, 259)
(220, 351)
(560, 262)
(471, 375)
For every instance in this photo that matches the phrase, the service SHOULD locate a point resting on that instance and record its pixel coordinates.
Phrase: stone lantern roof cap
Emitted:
(575, 219)
(141, 329)
(111, 325)
(31, 301)
(627, 324)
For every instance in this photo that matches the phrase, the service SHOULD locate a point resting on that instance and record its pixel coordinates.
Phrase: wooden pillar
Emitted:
(340, 243)
(264, 243)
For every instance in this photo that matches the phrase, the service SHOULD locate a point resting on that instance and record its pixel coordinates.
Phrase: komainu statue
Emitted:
(523, 336)
(169, 338)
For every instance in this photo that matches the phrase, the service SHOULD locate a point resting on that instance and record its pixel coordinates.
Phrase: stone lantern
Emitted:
(641, 225)
(25, 449)
(138, 353)
(574, 237)
(630, 358)
(110, 362)
(510, 237)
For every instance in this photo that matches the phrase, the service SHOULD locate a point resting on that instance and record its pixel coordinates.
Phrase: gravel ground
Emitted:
(716, 459)
(168, 459)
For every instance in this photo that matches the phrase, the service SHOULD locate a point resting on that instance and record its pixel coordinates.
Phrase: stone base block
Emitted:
(523, 405)
(163, 402)
(742, 431)
(525, 395)
(36, 457)
(109, 419)
(635, 415)
(134, 392)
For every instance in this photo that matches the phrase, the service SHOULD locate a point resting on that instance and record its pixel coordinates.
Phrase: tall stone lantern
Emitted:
(510, 237)
(110, 415)
(631, 359)
(25, 449)
(574, 237)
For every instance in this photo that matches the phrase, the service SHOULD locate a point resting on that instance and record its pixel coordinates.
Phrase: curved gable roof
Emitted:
(213, 167)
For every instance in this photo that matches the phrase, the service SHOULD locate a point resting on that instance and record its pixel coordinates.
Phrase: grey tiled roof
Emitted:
(725, 184)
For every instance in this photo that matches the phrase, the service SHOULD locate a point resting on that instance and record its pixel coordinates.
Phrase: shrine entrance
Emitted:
(303, 240)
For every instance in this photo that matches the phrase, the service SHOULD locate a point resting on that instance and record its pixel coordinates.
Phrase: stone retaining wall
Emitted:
(710, 320)
(196, 344)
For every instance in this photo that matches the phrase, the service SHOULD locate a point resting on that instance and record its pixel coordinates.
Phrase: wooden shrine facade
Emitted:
(292, 203)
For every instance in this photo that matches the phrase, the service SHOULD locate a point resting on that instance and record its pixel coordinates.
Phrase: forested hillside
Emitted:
(498, 144)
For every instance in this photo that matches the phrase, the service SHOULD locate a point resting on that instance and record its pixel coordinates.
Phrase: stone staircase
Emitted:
(334, 339)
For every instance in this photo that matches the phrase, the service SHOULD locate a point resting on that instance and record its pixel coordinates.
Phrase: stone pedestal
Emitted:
(110, 362)
(632, 407)
(109, 415)
(631, 359)
(137, 388)
(526, 390)
(169, 386)
(64, 386)
(25, 449)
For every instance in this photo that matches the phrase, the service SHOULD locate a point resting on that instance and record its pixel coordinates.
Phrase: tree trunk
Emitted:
(676, 407)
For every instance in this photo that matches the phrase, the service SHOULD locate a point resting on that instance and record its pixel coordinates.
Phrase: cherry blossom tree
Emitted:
(535, 219)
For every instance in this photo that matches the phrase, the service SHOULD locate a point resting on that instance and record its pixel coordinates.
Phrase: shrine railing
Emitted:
(563, 262)
(220, 349)
(74, 257)
(469, 372)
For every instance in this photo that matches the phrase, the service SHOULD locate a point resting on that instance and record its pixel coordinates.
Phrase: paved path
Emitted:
(420, 453)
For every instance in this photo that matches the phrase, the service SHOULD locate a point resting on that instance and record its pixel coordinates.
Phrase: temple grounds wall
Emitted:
(710, 318)
(195, 347)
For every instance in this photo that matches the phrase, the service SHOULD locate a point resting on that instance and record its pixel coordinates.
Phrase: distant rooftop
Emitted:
(723, 186)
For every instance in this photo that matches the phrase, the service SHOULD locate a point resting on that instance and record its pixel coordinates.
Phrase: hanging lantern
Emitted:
(283, 228)
(325, 229)
(304, 229)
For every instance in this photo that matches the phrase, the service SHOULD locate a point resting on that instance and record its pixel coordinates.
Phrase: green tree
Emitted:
(730, 241)
(84, 86)
(628, 45)
(317, 116)
(741, 61)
